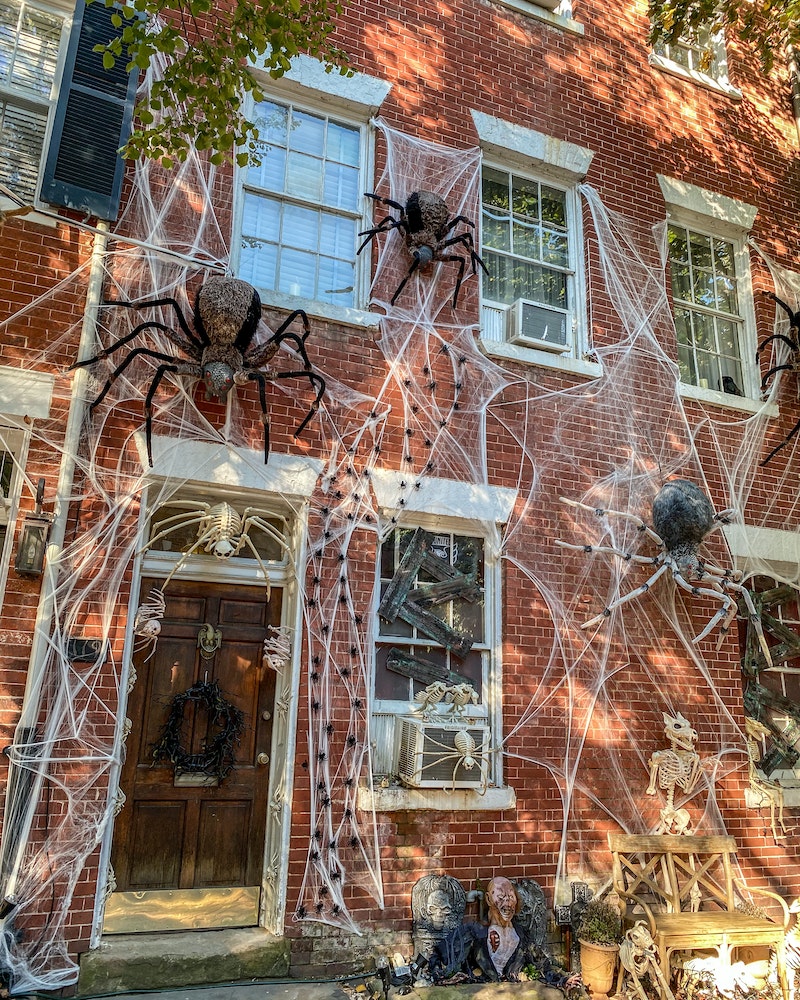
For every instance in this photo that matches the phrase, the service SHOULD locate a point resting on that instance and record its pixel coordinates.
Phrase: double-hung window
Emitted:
(301, 206)
(708, 315)
(528, 246)
(31, 39)
(699, 54)
(434, 673)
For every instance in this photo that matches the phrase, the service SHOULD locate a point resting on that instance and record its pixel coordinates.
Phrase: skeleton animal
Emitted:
(427, 699)
(682, 518)
(227, 312)
(426, 224)
(638, 957)
(221, 531)
(791, 365)
(147, 620)
(458, 696)
(677, 767)
(768, 792)
(277, 647)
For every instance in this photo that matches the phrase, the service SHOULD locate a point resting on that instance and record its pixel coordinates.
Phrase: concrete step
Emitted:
(129, 962)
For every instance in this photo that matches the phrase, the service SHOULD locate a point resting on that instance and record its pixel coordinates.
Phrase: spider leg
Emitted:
(462, 263)
(315, 380)
(154, 303)
(282, 334)
(386, 201)
(384, 226)
(628, 597)
(773, 371)
(452, 223)
(783, 444)
(414, 265)
(180, 519)
(145, 352)
(777, 336)
(261, 379)
(609, 550)
(252, 516)
(793, 317)
(604, 512)
(245, 540)
(119, 343)
(755, 619)
(161, 371)
(466, 240)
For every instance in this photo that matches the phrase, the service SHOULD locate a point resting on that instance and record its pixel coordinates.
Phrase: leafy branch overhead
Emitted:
(770, 28)
(198, 100)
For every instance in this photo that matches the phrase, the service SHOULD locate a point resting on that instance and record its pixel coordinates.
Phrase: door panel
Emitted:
(188, 832)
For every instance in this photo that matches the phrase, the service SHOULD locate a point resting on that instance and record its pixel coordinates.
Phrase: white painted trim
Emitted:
(358, 92)
(26, 393)
(745, 403)
(477, 502)
(542, 359)
(320, 310)
(542, 13)
(398, 799)
(720, 85)
(218, 464)
(697, 206)
(532, 150)
(770, 550)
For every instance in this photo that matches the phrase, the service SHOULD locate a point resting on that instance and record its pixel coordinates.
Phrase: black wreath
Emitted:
(217, 759)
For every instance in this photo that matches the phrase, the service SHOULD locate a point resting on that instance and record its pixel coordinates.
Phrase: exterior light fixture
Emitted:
(32, 545)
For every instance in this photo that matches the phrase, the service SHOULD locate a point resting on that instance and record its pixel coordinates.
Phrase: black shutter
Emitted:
(84, 170)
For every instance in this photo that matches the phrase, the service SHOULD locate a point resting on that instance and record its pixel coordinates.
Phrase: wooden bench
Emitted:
(684, 887)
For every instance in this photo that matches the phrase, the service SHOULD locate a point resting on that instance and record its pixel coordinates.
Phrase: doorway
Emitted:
(188, 843)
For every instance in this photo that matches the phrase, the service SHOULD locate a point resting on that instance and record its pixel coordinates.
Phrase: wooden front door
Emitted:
(184, 840)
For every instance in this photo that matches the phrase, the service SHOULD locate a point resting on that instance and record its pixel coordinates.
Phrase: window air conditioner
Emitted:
(443, 754)
(532, 325)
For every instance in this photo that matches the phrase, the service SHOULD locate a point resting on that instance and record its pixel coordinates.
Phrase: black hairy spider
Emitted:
(425, 222)
(227, 312)
(793, 364)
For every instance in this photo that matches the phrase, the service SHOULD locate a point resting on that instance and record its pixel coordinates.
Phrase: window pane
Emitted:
(341, 187)
(307, 133)
(37, 52)
(261, 217)
(338, 236)
(258, 263)
(21, 138)
(300, 227)
(525, 238)
(336, 279)
(496, 230)
(298, 273)
(272, 121)
(304, 177)
(271, 171)
(495, 188)
(525, 197)
(343, 144)
(554, 207)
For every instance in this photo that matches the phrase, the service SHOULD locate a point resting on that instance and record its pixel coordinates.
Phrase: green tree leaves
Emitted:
(197, 98)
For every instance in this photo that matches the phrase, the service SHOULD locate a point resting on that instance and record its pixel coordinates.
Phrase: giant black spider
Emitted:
(425, 222)
(793, 365)
(227, 312)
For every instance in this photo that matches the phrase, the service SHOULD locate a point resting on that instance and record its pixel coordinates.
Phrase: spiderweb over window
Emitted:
(582, 710)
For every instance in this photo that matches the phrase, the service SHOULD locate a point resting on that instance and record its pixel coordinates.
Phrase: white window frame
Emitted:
(559, 15)
(352, 101)
(716, 78)
(716, 215)
(468, 509)
(557, 164)
(14, 445)
(60, 8)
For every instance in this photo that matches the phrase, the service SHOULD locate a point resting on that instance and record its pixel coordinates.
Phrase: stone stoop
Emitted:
(130, 962)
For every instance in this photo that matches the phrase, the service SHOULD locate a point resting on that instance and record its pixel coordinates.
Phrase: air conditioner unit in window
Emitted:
(442, 754)
(532, 325)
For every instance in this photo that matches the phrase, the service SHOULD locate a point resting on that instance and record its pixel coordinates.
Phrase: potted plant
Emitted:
(599, 934)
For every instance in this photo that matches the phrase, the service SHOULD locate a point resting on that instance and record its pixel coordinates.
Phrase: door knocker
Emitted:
(209, 639)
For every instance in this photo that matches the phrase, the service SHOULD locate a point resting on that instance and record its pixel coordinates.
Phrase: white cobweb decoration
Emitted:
(582, 710)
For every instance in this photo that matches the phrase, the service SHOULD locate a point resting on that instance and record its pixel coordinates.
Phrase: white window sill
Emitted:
(11, 210)
(703, 79)
(726, 399)
(543, 14)
(543, 359)
(320, 310)
(395, 798)
(791, 794)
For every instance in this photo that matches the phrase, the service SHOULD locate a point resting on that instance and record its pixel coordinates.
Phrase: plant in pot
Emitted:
(599, 934)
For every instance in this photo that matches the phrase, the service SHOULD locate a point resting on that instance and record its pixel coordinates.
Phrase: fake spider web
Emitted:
(582, 709)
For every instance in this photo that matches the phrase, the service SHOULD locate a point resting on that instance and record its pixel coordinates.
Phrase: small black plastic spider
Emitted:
(227, 312)
(793, 364)
(425, 222)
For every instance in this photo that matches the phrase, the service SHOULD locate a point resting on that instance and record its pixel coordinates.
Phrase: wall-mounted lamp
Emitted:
(32, 545)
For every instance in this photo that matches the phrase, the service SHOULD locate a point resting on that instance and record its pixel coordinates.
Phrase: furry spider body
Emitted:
(220, 348)
(426, 224)
(792, 365)
(683, 517)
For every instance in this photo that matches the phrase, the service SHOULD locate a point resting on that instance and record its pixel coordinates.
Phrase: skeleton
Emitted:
(677, 767)
(227, 313)
(425, 222)
(427, 699)
(769, 792)
(638, 957)
(147, 620)
(221, 531)
(458, 696)
(792, 364)
(277, 648)
(682, 518)
(465, 752)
